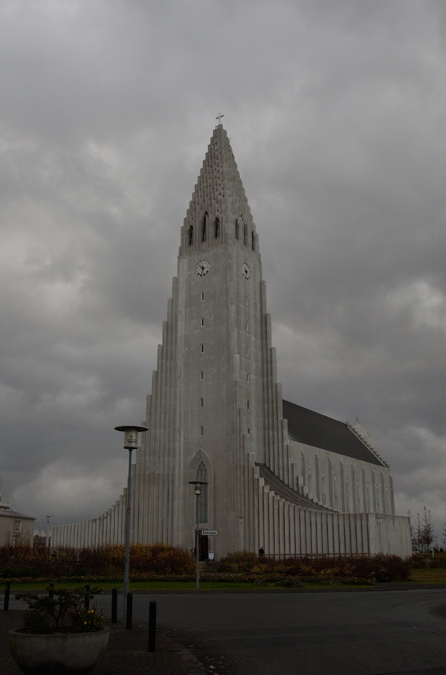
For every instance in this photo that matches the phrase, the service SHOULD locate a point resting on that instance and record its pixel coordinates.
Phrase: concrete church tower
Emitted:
(279, 476)
(214, 398)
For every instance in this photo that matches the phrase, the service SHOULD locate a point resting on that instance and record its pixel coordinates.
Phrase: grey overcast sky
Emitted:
(336, 110)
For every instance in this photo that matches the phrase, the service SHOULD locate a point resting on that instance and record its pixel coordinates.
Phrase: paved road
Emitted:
(362, 633)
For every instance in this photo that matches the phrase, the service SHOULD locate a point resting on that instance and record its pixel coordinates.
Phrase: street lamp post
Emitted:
(130, 443)
(198, 485)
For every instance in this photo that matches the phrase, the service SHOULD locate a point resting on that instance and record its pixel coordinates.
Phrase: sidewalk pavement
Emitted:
(126, 653)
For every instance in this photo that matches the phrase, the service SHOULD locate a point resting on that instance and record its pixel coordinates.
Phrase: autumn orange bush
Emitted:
(104, 561)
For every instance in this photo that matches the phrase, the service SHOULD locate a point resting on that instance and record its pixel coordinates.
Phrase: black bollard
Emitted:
(114, 605)
(128, 621)
(51, 589)
(7, 592)
(152, 626)
(87, 596)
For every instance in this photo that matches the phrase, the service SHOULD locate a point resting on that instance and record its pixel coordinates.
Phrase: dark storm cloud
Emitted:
(335, 112)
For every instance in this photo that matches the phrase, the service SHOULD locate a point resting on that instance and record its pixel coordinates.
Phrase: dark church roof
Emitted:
(312, 428)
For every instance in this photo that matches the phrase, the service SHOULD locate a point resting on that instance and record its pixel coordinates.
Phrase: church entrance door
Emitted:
(203, 547)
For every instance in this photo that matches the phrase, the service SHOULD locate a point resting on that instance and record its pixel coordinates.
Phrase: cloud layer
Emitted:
(336, 114)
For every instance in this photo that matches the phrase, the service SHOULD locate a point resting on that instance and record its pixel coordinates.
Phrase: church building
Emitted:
(278, 476)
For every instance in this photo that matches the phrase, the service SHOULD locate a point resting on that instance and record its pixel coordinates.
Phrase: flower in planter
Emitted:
(62, 613)
(87, 621)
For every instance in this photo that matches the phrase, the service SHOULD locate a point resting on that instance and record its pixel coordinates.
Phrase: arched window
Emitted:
(191, 235)
(203, 227)
(216, 228)
(237, 229)
(202, 475)
(253, 241)
(245, 233)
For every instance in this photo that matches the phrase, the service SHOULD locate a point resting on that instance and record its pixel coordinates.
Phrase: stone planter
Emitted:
(64, 653)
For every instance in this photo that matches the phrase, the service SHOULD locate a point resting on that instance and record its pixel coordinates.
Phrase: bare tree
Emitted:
(426, 536)
(422, 531)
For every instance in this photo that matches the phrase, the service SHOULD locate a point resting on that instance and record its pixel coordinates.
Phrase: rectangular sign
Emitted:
(209, 533)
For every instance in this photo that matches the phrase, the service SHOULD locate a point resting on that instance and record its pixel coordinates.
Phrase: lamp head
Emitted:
(130, 436)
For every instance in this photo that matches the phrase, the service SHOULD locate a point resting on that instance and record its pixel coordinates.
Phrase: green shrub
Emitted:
(379, 567)
(240, 560)
(63, 612)
(425, 560)
(392, 567)
(19, 571)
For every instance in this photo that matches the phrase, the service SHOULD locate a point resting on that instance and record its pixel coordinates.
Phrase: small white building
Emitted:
(15, 528)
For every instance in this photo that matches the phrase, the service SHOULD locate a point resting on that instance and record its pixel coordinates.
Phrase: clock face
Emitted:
(246, 271)
(203, 268)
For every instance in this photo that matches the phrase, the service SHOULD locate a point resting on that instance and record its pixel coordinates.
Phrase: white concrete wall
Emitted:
(362, 478)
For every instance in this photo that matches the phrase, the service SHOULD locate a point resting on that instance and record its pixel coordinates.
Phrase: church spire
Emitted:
(218, 210)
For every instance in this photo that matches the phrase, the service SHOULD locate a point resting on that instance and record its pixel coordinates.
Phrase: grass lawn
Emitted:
(135, 586)
(168, 586)
(429, 576)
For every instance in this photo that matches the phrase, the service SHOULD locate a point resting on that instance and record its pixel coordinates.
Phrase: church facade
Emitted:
(278, 476)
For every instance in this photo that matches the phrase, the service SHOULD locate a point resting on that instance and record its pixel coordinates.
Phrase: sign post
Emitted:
(197, 489)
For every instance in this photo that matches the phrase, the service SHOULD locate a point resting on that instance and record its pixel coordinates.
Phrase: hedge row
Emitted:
(379, 567)
(106, 561)
(159, 560)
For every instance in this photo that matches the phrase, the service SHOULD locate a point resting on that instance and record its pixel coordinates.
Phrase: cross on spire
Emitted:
(219, 116)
